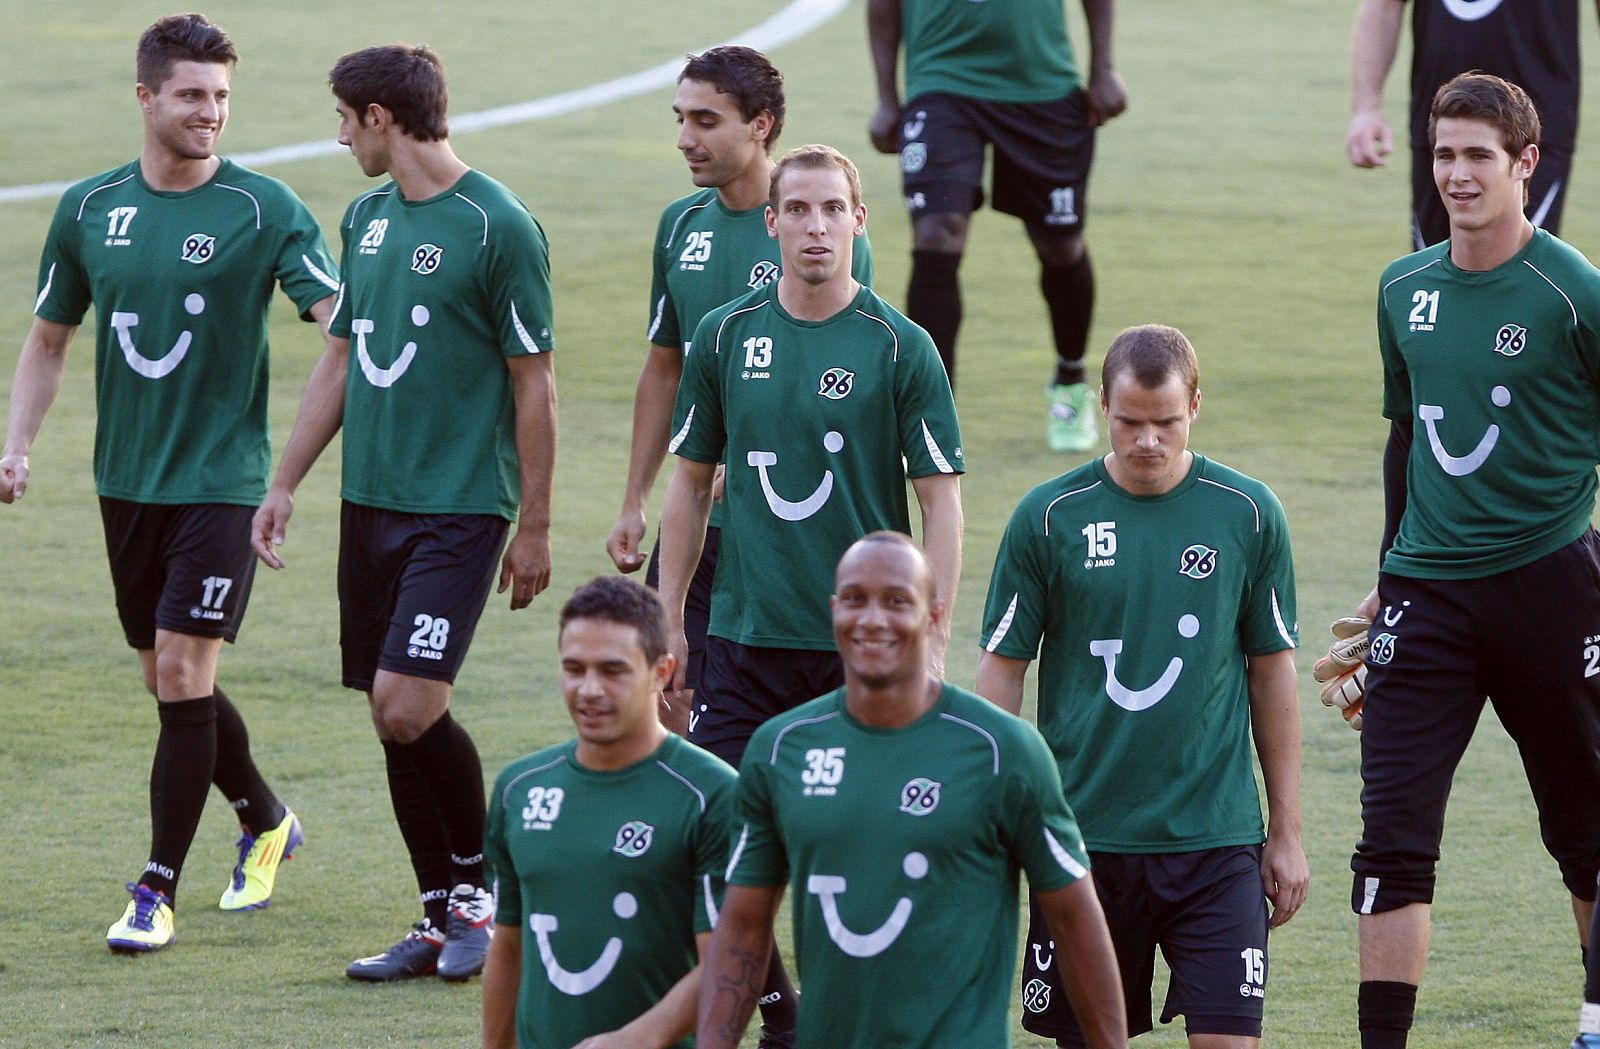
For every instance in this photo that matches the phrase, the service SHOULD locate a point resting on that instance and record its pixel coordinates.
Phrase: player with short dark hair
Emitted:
(178, 252)
(1001, 77)
(1488, 585)
(710, 247)
(824, 400)
(607, 849)
(1156, 587)
(440, 374)
(1533, 43)
(900, 809)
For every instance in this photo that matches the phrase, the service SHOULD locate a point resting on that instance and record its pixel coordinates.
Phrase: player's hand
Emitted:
(525, 569)
(270, 525)
(1108, 97)
(719, 483)
(623, 543)
(678, 645)
(1285, 877)
(1343, 672)
(884, 128)
(13, 477)
(1369, 139)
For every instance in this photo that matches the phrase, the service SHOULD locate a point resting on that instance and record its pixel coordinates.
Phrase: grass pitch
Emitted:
(1221, 203)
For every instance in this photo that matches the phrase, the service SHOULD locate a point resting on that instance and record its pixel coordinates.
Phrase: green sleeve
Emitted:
(930, 435)
(1015, 612)
(697, 424)
(339, 325)
(711, 852)
(1269, 618)
(1037, 825)
(63, 294)
(519, 285)
(663, 330)
(1396, 381)
(508, 892)
(758, 857)
(305, 269)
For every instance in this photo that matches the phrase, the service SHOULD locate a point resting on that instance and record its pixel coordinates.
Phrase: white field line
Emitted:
(794, 21)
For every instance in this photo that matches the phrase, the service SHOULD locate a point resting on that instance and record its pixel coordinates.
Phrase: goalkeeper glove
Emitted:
(1343, 672)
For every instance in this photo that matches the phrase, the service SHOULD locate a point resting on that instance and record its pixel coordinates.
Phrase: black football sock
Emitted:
(1590, 1022)
(1384, 1011)
(779, 1001)
(1069, 293)
(258, 809)
(933, 300)
(422, 828)
(448, 761)
(180, 777)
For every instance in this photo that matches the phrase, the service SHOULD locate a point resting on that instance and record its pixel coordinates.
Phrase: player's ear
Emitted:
(772, 222)
(661, 673)
(861, 220)
(1194, 405)
(144, 95)
(761, 128)
(1526, 161)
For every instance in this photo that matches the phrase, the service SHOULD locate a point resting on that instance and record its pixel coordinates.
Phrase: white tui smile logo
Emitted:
(833, 441)
(383, 378)
(1461, 466)
(159, 367)
(828, 887)
(1137, 699)
(624, 906)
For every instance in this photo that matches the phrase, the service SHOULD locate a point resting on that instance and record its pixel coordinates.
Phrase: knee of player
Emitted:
(178, 675)
(1059, 249)
(399, 722)
(944, 231)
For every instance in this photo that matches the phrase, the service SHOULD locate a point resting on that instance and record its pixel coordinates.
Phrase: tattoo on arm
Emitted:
(743, 985)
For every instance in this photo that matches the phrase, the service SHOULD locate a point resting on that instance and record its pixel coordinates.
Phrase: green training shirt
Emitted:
(706, 255)
(437, 293)
(1499, 374)
(997, 50)
(821, 423)
(1142, 611)
(609, 875)
(901, 848)
(180, 282)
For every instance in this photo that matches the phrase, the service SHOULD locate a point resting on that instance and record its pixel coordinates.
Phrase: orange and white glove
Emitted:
(1343, 671)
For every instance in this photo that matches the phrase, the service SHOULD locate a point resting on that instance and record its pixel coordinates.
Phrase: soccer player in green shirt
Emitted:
(899, 810)
(824, 400)
(1156, 588)
(608, 850)
(1490, 580)
(440, 374)
(178, 252)
(998, 75)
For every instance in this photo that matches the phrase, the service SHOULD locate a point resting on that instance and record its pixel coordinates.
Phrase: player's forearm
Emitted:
(1373, 46)
(534, 399)
(1091, 979)
(735, 968)
(883, 40)
(1275, 722)
(502, 975)
(683, 531)
(652, 423)
(942, 527)
(40, 367)
(1100, 16)
(1000, 680)
(319, 418)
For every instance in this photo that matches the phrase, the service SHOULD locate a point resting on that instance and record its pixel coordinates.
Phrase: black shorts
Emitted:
(1547, 196)
(744, 686)
(697, 606)
(411, 589)
(1528, 640)
(184, 568)
(1207, 913)
(1042, 153)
